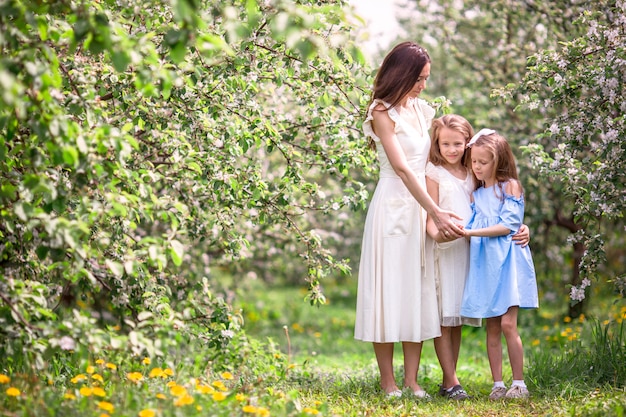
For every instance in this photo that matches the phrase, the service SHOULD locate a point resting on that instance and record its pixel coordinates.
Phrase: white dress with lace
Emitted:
(450, 260)
(396, 300)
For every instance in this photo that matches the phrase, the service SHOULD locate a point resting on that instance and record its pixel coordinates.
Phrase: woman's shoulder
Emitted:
(426, 109)
(379, 113)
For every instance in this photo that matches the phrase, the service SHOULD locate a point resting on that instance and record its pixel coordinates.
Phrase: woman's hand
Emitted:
(448, 228)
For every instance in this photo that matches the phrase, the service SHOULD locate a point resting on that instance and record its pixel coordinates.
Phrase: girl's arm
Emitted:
(491, 231)
(432, 187)
(383, 127)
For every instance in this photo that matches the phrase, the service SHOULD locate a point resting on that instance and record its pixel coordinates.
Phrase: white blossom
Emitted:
(67, 343)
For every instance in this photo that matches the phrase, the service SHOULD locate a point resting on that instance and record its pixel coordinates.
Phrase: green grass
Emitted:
(340, 372)
(299, 360)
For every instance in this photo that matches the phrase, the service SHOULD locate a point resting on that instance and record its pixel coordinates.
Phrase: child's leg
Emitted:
(513, 343)
(445, 349)
(456, 343)
(494, 347)
(412, 353)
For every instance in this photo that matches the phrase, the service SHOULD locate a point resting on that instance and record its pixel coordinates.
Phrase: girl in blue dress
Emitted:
(501, 276)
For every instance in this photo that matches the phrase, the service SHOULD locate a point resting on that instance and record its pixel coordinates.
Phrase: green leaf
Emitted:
(177, 252)
(120, 60)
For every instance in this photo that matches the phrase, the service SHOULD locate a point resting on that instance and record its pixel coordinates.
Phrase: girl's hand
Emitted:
(522, 237)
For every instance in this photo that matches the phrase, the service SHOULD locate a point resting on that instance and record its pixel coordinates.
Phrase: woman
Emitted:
(396, 301)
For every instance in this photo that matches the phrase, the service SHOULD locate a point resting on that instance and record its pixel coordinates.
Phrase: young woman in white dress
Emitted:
(396, 300)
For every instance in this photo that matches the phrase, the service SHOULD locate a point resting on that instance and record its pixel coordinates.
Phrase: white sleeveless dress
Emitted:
(396, 301)
(449, 262)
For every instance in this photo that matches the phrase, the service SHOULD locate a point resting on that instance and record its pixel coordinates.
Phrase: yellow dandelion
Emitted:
(219, 396)
(98, 377)
(171, 384)
(69, 396)
(205, 389)
(78, 378)
(117, 327)
(146, 361)
(134, 376)
(100, 362)
(199, 407)
(249, 409)
(219, 385)
(263, 412)
(178, 391)
(156, 372)
(581, 318)
(4, 379)
(291, 366)
(535, 342)
(98, 392)
(227, 375)
(104, 415)
(317, 402)
(168, 372)
(240, 397)
(86, 391)
(567, 319)
(277, 355)
(317, 334)
(13, 392)
(147, 413)
(111, 366)
(161, 396)
(90, 369)
(106, 406)
(309, 410)
(184, 400)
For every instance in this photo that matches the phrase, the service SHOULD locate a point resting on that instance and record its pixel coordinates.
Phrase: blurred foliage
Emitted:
(148, 147)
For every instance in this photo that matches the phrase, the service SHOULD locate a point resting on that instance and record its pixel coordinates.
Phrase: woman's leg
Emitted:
(494, 347)
(445, 349)
(384, 357)
(513, 343)
(412, 353)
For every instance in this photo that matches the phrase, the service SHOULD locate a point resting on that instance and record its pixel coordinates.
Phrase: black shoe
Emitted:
(455, 393)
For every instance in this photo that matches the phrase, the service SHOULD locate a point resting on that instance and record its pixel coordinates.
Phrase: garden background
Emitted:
(183, 187)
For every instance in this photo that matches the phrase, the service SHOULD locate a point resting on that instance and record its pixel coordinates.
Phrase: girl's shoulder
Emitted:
(513, 188)
(437, 172)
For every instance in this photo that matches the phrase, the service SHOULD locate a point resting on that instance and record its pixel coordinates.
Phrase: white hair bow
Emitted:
(481, 132)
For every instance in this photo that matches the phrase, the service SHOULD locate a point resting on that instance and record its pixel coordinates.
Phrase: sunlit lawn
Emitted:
(302, 360)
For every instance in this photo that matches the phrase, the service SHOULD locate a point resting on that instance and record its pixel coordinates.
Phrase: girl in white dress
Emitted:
(396, 300)
(450, 184)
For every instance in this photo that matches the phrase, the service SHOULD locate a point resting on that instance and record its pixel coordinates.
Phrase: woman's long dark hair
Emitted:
(399, 72)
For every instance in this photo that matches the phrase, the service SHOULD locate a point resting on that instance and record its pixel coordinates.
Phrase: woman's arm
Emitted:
(383, 126)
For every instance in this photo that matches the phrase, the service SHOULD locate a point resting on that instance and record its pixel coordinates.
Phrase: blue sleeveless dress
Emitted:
(501, 273)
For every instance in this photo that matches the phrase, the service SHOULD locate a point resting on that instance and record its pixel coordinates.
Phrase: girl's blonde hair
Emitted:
(504, 167)
(453, 122)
